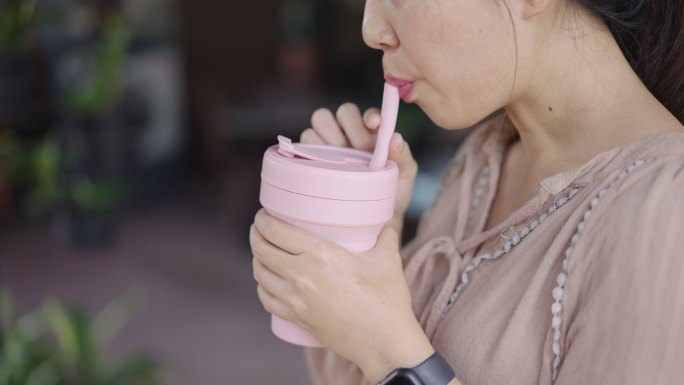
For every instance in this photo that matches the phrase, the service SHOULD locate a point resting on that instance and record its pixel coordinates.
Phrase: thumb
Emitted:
(400, 153)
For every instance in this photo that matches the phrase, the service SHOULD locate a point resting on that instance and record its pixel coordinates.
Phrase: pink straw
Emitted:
(388, 122)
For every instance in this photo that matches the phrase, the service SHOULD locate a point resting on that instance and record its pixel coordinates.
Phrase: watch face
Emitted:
(402, 377)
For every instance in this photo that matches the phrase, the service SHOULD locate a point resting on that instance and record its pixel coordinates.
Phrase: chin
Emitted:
(454, 121)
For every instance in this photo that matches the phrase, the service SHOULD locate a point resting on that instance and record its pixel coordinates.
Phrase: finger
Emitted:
(400, 153)
(323, 122)
(349, 117)
(309, 136)
(276, 259)
(287, 237)
(273, 305)
(268, 279)
(396, 147)
(371, 118)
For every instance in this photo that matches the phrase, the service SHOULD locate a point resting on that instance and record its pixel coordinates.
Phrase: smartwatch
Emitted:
(433, 371)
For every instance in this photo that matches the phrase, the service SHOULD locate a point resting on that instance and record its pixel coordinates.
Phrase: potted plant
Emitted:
(93, 188)
(53, 345)
(16, 24)
(35, 171)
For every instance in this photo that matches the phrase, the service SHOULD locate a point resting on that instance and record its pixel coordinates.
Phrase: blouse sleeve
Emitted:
(625, 321)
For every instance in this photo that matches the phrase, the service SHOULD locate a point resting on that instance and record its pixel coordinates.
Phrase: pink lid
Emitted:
(327, 172)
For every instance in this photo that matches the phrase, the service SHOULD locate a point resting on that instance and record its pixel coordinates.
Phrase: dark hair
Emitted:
(651, 36)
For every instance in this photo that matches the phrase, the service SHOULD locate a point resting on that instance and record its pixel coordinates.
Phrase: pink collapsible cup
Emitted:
(331, 192)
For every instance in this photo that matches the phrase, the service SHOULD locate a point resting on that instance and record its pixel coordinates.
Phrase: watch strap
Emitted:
(434, 371)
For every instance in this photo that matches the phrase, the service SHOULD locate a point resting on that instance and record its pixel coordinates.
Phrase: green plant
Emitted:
(37, 169)
(56, 346)
(104, 63)
(96, 195)
(16, 21)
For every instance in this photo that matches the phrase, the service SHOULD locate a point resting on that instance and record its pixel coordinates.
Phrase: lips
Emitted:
(405, 86)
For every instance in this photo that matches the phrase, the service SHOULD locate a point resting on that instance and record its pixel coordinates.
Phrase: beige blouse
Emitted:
(584, 284)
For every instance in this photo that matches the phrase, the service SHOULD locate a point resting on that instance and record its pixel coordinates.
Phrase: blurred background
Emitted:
(131, 139)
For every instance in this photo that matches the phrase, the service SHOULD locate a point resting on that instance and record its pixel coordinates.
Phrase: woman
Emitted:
(554, 251)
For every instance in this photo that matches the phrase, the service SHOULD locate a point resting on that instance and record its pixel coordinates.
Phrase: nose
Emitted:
(377, 31)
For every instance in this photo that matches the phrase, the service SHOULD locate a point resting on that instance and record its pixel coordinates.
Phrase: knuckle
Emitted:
(256, 249)
(259, 251)
(298, 307)
(316, 250)
(265, 224)
(256, 269)
(303, 285)
(263, 298)
(320, 259)
(252, 235)
(298, 315)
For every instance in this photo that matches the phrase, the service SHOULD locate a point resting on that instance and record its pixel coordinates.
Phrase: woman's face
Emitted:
(454, 58)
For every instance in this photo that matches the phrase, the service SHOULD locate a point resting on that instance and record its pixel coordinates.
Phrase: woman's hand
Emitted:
(357, 304)
(348, 128)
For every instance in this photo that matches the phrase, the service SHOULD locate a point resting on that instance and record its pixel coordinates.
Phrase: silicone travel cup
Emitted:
(332, 192)
(328, 191)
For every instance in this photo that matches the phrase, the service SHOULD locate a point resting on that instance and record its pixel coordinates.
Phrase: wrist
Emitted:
(435, 370)
(402, 350)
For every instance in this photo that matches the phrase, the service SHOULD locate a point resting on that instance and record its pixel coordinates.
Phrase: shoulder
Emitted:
(624, 295)
(637, 225)
(647, 186)
(649, 192)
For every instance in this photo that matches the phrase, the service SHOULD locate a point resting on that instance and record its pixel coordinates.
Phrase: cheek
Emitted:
(480, 56)
(474, 76)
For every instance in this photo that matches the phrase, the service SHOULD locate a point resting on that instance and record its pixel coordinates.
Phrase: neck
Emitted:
(581, 98)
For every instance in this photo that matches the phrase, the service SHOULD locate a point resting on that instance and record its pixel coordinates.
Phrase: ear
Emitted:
(533, 8)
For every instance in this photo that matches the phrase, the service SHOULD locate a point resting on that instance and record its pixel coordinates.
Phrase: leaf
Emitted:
(102, 88)
(63, 330)
(26, 13)
(32, 325)
(22, 350)
(6, 310)
(29, 357)
(109, 322)
(16, 20)
(77, 347)
(44, 374)
(46, 163)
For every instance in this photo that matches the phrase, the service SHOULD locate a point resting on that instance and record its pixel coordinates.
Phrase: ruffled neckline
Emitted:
(491, 141)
